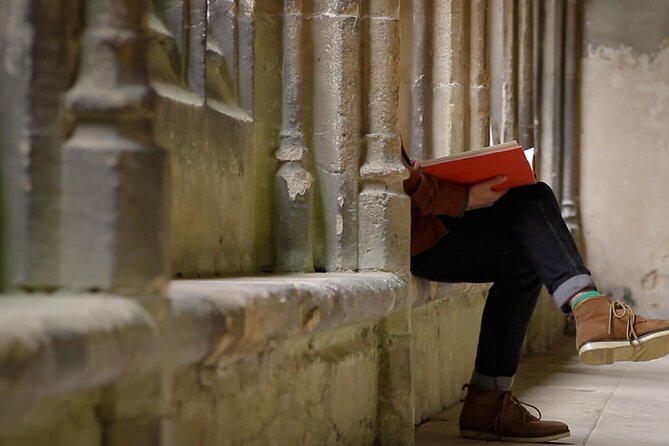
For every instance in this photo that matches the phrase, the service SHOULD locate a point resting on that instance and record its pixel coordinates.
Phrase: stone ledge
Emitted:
(56, 344)
(52, 344)
(245, 314)
(427, 291)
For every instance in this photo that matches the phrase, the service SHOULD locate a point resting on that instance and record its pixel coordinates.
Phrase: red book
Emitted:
(508, 159)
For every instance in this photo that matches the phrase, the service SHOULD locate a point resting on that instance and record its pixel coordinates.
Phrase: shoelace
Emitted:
(514, 403)
(619, 310)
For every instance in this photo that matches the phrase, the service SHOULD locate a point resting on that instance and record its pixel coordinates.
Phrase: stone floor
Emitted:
(621, 404)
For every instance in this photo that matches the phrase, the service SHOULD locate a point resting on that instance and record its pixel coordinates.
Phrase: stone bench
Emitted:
(57, 344)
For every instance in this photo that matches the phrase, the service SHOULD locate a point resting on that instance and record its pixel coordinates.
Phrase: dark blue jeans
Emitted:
(519, 243)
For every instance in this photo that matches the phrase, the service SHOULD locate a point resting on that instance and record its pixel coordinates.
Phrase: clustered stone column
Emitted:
(512, 55)
(450, 97)
(115, 201)
(114, 223)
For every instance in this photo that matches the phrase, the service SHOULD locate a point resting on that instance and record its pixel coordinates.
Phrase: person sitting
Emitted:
(518, 240)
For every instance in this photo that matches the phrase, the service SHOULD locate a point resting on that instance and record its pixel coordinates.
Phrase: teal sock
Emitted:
(580, 297)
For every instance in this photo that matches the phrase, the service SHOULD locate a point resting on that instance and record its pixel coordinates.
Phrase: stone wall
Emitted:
(625, 139)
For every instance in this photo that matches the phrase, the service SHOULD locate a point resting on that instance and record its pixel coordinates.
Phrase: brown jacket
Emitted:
(431, 197)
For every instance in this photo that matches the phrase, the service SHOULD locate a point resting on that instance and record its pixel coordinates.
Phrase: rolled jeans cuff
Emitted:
(570, 287)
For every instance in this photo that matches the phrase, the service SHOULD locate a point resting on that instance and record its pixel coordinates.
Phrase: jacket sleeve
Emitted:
(433, 196)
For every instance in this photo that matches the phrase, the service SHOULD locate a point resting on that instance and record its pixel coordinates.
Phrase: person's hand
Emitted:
(482, 195)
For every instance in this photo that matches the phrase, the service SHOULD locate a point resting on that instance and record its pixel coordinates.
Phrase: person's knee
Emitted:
(544, 189)
(538, 191)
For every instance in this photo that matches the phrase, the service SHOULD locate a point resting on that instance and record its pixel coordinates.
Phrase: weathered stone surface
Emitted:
(384, 245)
(317, 389)
(65, 420)
(258, 311)
(250, 332)
(445, 334)
(37, 64)
(209, 164)
(625, 136)
(221, 145)
(105, 244)
(52, 345)
(396, 397)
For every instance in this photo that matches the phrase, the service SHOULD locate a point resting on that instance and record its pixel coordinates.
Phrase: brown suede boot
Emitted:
(607, 332)
(497, 415)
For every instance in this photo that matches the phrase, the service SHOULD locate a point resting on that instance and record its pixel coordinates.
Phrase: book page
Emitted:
(529, 156)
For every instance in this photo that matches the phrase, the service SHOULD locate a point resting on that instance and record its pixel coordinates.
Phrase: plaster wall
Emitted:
(624, 112)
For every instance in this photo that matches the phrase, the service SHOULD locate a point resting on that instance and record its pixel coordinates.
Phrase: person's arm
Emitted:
(433, 196)
(482, 195)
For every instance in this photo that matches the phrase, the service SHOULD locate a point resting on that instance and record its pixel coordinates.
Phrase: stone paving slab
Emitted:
(621, 404)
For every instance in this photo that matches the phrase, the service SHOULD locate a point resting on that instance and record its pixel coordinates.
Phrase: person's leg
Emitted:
(606, 331)
(478, 249)
(533, 215)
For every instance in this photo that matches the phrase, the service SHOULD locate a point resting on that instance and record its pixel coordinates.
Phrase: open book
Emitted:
(508, 159)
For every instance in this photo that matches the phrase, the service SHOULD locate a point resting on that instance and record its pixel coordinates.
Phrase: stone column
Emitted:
(335, 29)
(38, 51)
(195, 42)
(395, 419)
(115, 201)
(509, 123)
(419, 81)
(570, 168)
(479, 90)
(115, 219)
(293, 184)
(551, 95)
(383, 241)
(448, 77)
(525, 73)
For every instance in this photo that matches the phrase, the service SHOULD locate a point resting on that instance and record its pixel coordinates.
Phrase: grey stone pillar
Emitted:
(335, 28)
(551, 95)
(448, 77)
(395, 423)
(114, 224)
(383, 238)
(509, 124)
(293, 184)
(419, 81)
(525, 73)
(479, 90)
(38, 51)
(570, 168)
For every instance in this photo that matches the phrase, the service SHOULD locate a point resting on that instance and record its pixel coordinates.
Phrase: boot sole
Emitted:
(490, 436)
(651, 346)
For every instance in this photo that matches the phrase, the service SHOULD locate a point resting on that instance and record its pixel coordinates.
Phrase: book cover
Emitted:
(508, 159)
